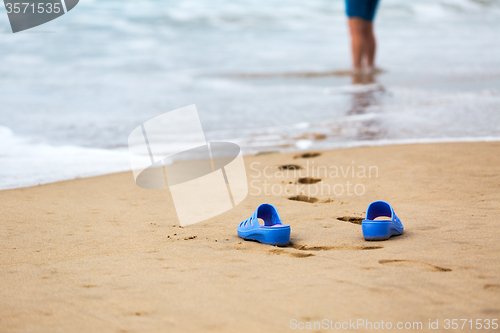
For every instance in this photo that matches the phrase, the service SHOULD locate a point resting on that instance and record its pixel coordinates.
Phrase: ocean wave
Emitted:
(131, 16)
(27, 162)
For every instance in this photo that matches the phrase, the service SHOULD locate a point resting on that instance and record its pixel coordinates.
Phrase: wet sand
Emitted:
(103, 255)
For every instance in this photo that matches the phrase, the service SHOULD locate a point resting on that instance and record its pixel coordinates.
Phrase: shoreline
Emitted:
(357, 144)
(101, 254)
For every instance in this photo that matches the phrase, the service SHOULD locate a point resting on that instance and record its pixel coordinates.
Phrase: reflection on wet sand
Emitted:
(308, 74)
(362, 99)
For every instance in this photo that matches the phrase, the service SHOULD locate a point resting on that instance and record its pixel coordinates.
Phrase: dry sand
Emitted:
(103, 255)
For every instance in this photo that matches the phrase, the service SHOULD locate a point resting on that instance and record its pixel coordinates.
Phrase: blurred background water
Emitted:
(268, 75)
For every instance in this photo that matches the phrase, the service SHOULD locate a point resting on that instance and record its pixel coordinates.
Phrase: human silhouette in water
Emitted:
(361, 14)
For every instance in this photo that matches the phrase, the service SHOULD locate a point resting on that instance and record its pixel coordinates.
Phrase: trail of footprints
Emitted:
(309, 199)
(303, 180)
(420, 265)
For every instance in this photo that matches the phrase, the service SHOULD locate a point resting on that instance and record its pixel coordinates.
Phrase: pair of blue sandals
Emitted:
(274, 232)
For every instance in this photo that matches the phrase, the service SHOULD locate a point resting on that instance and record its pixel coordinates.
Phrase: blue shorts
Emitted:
(364, 9)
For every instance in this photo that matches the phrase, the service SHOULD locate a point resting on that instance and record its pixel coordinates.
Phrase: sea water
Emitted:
(269, 75)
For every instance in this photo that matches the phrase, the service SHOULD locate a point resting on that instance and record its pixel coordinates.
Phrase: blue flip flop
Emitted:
(380, 229)
(273, 231)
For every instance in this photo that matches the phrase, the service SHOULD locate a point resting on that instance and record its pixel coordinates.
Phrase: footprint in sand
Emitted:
(276, 251)
(493, 287)
(290, 167)
(291, 254)
(334, 248)
(307, 155)
(424, 266)
(308, 180)
(304, 198)
(300, 248)
(352, 219)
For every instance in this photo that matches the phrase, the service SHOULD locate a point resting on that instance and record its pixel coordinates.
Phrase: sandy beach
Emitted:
(103, 255)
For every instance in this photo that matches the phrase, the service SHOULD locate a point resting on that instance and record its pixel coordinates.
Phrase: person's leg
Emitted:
(356, 27)
(361, 14)
(370, 45)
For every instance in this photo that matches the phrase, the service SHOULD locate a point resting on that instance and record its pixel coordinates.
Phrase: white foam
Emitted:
(24, 162)
(303, 144)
